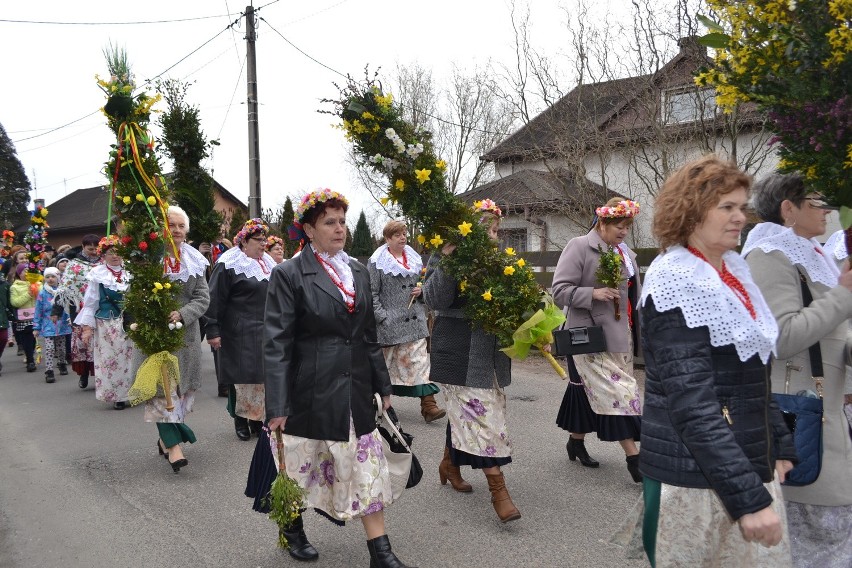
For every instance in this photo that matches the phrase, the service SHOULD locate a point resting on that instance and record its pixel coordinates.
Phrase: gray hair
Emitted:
(772, 189)
(178, 211)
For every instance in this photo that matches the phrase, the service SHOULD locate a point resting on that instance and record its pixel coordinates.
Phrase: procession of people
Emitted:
(304, 345)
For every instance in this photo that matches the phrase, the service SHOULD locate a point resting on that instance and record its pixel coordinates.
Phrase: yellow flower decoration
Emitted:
(465, 228)
(140, 197)
(400, 185)
(487, 295)
(384, 200)
(167, 286)
(510, 251)
(436, 241)
(421, 239)
(126, 199)
(43, 212)
(509, 270)
(152, 200)
(521, 262)
(422, 175)
(367, 116)
(440, 164)
(462, 285)
(158, 286)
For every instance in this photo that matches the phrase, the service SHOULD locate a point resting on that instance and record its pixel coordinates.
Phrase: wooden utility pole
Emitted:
(254, 138)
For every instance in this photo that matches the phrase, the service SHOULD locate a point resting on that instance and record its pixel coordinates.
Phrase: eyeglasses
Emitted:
(258, 239)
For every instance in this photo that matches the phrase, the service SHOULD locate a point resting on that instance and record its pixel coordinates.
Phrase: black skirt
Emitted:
(576, 414)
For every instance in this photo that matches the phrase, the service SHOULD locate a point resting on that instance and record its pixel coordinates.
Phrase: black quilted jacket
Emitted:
(709, 420)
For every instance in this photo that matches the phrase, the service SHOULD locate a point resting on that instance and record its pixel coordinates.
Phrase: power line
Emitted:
(58, 127)
(233, 94)
(191, 53)
(300, 50)
(175, 21)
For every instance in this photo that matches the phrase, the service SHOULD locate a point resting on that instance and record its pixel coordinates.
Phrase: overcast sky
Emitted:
(49, 76)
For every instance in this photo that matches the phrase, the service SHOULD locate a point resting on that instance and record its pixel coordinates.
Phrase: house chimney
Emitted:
(38, 203)
(690, 45)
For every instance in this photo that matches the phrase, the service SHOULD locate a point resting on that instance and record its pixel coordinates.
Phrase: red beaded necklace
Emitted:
(116, 273)
(731, 281)
(404, 261)
(172, 265)
(262, 266)
(335, 278)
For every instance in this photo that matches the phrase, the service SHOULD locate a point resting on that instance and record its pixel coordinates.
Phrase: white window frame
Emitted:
(684, 104)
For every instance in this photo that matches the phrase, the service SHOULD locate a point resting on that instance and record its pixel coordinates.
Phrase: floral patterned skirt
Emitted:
(113, 352)
(346, 480)
(408, 363)
(477, 420)
(80, 352)
(820, 536)
(609, 383)
(251, 402)
(155, 408)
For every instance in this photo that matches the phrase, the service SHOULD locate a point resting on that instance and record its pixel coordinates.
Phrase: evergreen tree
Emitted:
(186, 145)
(363, 242)
(238, 219)
(286, 221)
(14, 184)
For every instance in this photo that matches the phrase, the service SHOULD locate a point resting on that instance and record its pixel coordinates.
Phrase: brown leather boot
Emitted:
(452, 473)
(429, 409)
(506, 510)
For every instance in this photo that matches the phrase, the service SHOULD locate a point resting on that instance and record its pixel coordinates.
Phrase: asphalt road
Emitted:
(81, 485)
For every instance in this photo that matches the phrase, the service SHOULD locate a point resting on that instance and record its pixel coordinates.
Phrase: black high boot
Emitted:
(299, 547)
(577, 449)
(381, 555)
(241, 427)
(633, 468)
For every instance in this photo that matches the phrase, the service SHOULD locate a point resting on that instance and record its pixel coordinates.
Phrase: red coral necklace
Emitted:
(404, 261)
(731, 281)
(262, 265)
(335, 278)
(172, 265)
(115, 273)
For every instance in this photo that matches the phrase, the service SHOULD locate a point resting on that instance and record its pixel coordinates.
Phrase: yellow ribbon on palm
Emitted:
(537, 331)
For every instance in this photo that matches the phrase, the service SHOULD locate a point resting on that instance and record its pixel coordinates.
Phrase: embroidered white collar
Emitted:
(759, 232)
(836, 245)
(100, 274)
(386, 262)
(238, 261)
(679, 279)
(803, 252)
(628, 263)
(192, 263)
(340, 264)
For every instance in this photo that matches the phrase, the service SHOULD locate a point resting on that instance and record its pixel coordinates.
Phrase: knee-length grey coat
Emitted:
(397, 323)
(460, 355)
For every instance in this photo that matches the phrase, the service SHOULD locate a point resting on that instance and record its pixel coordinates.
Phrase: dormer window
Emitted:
(688, 105)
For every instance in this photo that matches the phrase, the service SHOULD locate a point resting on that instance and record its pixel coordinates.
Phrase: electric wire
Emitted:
(57, 128)
(54, 23)
(191, 53)
(233, 94)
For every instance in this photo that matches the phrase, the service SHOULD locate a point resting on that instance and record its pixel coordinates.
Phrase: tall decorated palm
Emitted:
(139, 196)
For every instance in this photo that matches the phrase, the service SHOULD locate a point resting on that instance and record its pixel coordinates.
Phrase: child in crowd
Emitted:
(22, 297)
(53, 330)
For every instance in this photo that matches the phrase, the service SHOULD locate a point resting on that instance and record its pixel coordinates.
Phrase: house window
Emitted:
(515, 238)
(688, 105)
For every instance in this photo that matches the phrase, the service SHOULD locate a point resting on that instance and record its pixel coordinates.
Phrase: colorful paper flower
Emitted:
(465, 228)
(440, 164)
(140, 197)
(521, 262)
(143, 246)
(421, 239)
(626, 209)
(510, 251)
(400, 185)
(422, 175)
(436, 241)
(487, 295)
(509, 270)
(152, 200)
(314, 198)
(126, 199)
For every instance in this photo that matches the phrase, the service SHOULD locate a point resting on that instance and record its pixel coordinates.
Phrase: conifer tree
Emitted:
(14, 184)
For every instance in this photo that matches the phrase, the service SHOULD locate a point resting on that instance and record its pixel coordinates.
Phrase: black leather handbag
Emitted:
(578, 340)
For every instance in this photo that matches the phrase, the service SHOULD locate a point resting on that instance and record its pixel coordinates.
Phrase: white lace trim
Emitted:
(100, 274)
(836, 245)
(758, 233)
(803, 252)
(340, 263)
(679, 279)
(238, 261)
(385, 261)
(192, 263)
(628, 264)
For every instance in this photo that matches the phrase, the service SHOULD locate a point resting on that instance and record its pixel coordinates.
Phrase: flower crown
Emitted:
(487, 206)
(627, 209)
(272, 240)
(107, 242)
(251, 227)
(313, 199)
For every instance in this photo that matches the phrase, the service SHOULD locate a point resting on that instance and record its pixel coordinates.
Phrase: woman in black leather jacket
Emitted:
(712, 438)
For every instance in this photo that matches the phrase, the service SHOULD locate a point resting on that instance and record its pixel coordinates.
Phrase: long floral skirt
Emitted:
(820, 536)
(408, 367)
(250, 402)
(477, 422)
(609, 383)
(155, 408)
(693, 529)
(345, 480)
(82, 355)
(113, 352)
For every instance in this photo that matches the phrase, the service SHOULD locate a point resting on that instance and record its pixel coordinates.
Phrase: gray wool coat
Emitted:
(576, 268)
(396, 322)
(460, 354)
(825, 319)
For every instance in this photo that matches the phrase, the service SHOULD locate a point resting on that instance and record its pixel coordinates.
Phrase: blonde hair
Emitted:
(393, 227)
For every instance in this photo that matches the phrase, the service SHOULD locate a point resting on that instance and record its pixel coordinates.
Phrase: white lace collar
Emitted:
(100, 274)
(758, 233)
(238, 261)
(385, 261)
(340, 263)
(628, 263)
(192, 263)
(836, 245)
(679, 279)
(803, 252)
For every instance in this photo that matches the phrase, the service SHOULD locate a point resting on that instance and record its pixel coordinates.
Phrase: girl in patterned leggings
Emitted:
(53, 329)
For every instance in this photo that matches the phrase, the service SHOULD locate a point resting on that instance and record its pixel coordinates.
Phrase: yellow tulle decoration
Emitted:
(158, 375)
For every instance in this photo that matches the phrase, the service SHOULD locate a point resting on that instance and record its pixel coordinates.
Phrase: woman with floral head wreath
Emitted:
(235, 323)
(102, 321)
(602, 394)
(323, 368)
(472, 372)
(275, 248)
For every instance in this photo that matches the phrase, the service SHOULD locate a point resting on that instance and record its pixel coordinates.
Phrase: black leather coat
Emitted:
(321, 362)
(686, 439)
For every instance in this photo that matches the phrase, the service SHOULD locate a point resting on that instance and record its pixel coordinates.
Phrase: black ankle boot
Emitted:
(633, 468)
(577, 449)
(381, 555)
(298, 545)
(255, 426)
(241, 427)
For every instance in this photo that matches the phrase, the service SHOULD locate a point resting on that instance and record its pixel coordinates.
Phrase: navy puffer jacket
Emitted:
(709, 420)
